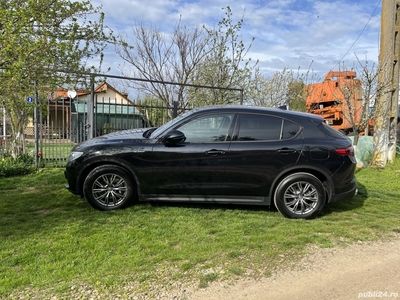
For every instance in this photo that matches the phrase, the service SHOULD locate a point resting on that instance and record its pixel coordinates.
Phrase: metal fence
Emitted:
(66, 124)
(60, 123)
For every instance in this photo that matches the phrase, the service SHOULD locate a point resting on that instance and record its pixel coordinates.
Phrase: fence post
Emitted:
(36, 125)
(90, 115)
(175, 110)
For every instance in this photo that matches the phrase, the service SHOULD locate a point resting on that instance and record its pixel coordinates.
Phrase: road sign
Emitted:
(30, 99)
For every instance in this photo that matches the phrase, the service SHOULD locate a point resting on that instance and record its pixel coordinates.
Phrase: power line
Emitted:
(362, 31)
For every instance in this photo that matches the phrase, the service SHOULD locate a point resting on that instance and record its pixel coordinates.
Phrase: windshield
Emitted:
(167, 125)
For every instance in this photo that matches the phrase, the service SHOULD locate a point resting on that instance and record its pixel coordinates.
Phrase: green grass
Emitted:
(51, 240)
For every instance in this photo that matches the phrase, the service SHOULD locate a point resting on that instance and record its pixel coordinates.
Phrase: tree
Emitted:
(188, 56)
(349, 92)
(295, 95)
(154, 111)
(225, 65)
(162, 58)
(271, 92)
(370, 89)
(359, 96)
(284, 88)
(44, 44)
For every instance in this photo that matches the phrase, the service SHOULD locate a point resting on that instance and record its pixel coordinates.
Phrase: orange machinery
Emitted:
(330, 99)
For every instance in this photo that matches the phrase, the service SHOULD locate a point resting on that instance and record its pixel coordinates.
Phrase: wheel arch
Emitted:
(320, 174)
(102, 161)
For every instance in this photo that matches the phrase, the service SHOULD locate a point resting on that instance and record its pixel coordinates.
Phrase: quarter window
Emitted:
(290, 129)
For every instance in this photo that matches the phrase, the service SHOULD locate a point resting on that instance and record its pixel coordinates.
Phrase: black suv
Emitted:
(229, 154)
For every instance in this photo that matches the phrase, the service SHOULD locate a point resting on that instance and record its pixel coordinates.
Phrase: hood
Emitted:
(115, 137)
(136, 133)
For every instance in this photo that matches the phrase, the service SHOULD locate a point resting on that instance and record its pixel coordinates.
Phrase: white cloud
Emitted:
(288, 33)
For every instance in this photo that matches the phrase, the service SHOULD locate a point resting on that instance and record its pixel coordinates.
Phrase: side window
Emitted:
(259, 127)
(290, 129)
(207, 129)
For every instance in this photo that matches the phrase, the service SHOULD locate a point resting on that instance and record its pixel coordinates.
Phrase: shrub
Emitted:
(26, 159)
(21, 165)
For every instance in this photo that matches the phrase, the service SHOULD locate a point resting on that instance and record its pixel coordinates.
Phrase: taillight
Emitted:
(345, 151)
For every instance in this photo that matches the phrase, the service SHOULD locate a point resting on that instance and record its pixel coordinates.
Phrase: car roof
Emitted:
(258, 109)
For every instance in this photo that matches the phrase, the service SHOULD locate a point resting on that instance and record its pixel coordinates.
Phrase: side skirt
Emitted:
(207, 199)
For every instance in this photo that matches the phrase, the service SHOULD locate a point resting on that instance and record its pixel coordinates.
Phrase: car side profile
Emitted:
(224, 154)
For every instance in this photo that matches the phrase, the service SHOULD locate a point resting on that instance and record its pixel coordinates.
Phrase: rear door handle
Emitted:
(286, 151)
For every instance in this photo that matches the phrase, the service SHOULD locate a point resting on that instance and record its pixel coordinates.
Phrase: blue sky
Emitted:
(288, 33)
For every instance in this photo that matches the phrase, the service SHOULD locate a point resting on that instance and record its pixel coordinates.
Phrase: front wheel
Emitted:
(300, 196)
(109, 187)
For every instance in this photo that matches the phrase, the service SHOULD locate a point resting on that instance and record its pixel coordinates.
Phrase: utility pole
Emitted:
(385, 129)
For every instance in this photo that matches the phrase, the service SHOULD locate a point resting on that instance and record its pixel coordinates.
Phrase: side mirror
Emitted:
(174, 137)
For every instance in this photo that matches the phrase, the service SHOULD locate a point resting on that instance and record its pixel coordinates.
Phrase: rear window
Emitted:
(329, 131)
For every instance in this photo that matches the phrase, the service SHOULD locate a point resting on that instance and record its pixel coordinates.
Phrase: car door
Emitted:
(195, 167)
(262, 146)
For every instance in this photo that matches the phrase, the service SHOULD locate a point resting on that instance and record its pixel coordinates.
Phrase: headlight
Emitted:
(74, 155)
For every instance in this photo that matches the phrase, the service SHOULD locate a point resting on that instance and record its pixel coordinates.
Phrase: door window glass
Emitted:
(259, 127)
(208, 129)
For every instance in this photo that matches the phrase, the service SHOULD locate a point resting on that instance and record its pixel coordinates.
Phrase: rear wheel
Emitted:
(109, 187)
(300, 196)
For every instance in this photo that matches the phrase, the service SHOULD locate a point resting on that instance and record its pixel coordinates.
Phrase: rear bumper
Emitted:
(344, 196)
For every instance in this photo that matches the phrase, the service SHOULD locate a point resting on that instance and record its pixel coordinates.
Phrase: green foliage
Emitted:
(21, 165)
(295, 95)
(44, 45)
(40, 39)
(154, 111)
(107, 128)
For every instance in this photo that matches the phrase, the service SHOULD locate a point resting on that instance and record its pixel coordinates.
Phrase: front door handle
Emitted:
(215, 152)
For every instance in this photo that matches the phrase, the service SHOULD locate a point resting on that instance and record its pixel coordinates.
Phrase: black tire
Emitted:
(109, 187)
(300, 196)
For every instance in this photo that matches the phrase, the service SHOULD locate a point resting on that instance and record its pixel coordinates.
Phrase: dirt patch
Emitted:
(362, 270)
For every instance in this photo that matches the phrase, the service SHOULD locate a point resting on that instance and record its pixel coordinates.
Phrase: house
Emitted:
(113, 111)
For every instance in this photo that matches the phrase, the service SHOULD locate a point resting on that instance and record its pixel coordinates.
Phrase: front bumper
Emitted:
(70, 186)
